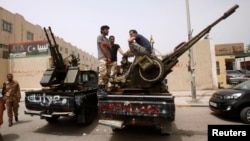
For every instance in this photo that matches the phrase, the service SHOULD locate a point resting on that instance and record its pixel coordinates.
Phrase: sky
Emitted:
(78, 21)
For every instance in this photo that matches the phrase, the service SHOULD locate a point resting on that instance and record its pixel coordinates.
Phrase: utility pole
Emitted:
(191, 57)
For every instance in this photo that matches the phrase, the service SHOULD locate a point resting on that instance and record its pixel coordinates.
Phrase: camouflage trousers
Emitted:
(113, 72)
(12, 104)
(103, 72)
(138, 49)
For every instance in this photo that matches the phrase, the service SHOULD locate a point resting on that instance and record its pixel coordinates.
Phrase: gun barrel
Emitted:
(47, 36)
(170, 60)
(230, 11)
(183, 48)
(53, 37)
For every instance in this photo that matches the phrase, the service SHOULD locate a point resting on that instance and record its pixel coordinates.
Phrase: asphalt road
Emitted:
(191, 124)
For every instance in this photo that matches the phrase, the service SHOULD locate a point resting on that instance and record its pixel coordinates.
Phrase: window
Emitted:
(218, 67)
(30, 36)
(61, 48)
(66, 50)
(4, 46)
(6, 26)
(5, 54)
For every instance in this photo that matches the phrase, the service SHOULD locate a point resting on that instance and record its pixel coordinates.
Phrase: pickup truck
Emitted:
(66, 90)
(50, 104)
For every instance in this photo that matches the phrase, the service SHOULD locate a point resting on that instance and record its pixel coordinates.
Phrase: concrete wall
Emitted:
(29, 71)
(3, 71)
(205, 69)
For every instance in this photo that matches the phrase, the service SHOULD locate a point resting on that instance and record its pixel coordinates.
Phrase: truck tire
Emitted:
(52, 120)
(90, 114)
(116, 129)
(166, 128)
(86, 115)
(245, 115)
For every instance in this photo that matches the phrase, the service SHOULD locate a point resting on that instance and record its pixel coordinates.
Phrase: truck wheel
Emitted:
(166, 128)
(245, 115)
(52, 120)
(116, 129)
(87, 115)
(90, 115)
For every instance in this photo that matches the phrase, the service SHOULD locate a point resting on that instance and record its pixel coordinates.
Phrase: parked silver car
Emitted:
(244, 71)
(235, 77)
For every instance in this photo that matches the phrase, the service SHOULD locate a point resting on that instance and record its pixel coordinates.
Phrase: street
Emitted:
(190, 124)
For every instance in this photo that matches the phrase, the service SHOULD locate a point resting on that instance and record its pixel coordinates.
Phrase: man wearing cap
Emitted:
(104, 59)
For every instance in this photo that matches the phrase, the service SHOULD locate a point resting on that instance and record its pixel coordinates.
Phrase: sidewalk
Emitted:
(183, 98)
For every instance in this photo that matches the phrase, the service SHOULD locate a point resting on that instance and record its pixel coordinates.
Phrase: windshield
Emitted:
(243, 86)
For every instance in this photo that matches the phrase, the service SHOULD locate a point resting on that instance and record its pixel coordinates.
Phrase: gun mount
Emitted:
(60, 72)
(148, 72)
(67, 90)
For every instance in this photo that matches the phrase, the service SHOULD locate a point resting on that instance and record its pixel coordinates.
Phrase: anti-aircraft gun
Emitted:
(149, 71)
(59, 73)
(141, 96)
(66, 90)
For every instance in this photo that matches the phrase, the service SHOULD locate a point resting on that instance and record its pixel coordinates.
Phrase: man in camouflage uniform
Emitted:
(103, 59)
(12, 98)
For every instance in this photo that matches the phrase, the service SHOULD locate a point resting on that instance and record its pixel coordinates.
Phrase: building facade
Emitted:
(24, 51)
(227, 59)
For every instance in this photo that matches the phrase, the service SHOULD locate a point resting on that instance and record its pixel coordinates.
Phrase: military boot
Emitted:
(10, 123)
(16, 118)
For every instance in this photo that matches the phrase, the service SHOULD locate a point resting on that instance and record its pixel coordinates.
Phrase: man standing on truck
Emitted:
(114, 48)
(104, 59)
(12, 98)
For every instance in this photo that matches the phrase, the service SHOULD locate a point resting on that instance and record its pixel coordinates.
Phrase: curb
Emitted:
(192, 105)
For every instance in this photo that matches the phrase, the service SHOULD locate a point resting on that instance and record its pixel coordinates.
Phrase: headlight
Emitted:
(232, 96)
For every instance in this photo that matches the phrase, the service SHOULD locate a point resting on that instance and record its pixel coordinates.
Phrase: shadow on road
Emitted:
(227, 118)
(9, 137)
(135, 133)
(23, 121)
(68, 127)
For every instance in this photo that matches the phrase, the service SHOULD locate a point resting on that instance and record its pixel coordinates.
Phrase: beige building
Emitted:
(226, 59)
(204, 65)
(26, 63)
